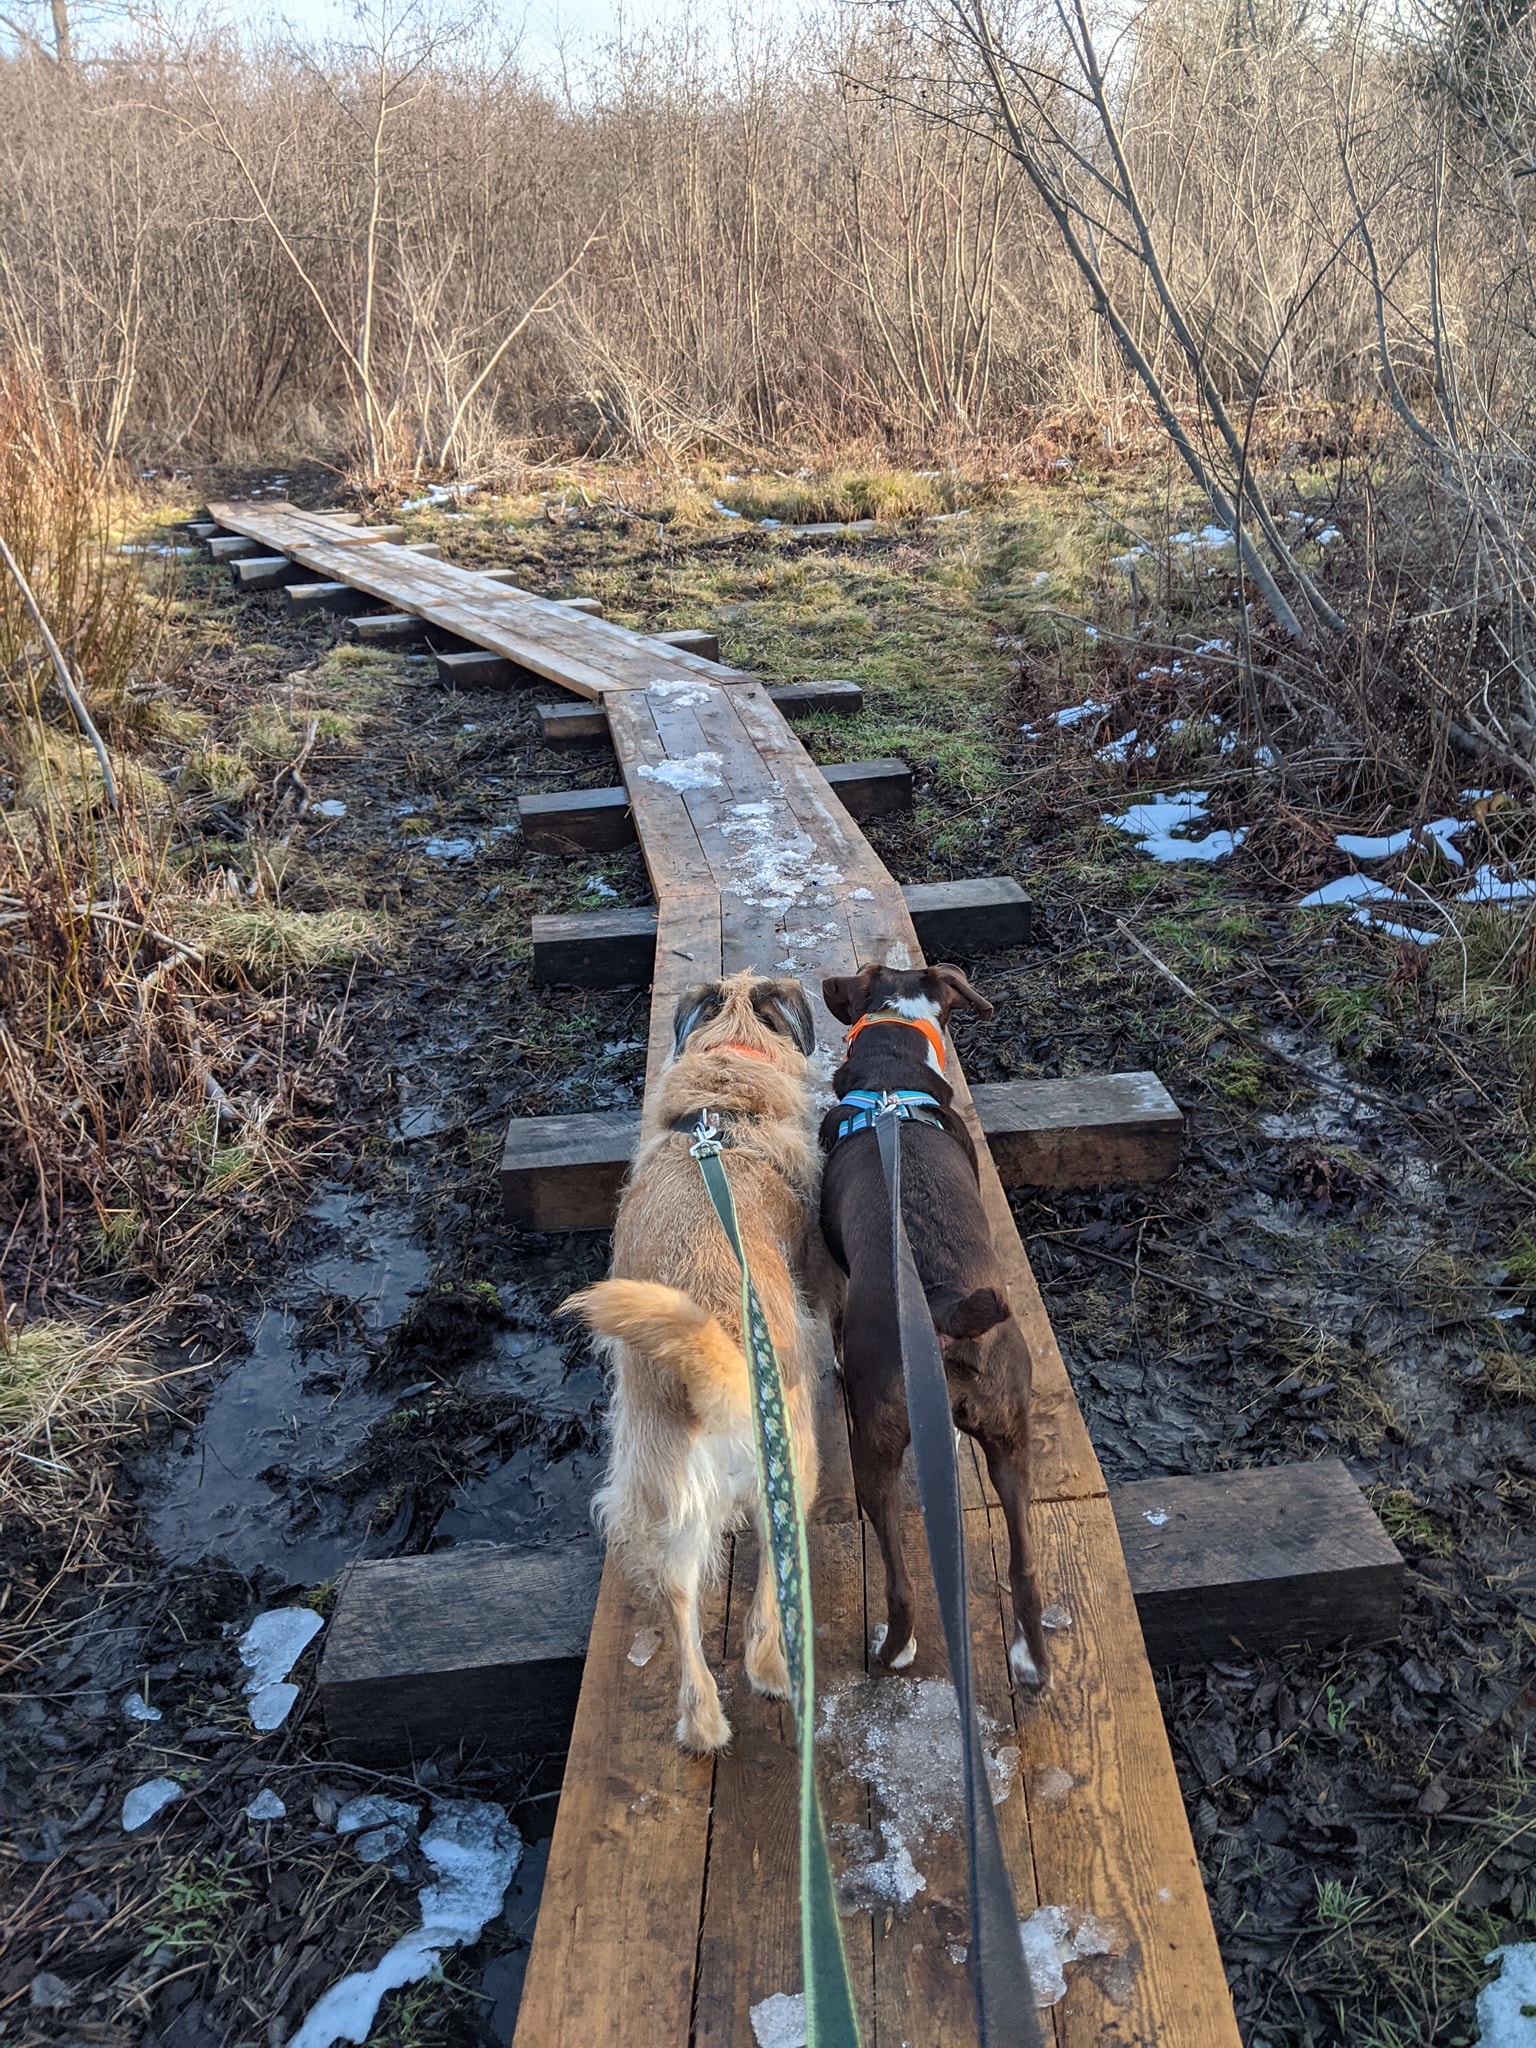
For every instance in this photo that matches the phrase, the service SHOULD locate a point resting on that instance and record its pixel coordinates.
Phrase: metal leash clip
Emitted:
(890, 1105)
(706, 1137)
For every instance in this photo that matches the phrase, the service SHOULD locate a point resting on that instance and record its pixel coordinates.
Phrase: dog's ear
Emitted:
(956, 991)
(695, 1006)
(847, 995)
(785, 1008)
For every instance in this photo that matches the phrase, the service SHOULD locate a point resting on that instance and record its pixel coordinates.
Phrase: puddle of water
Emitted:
(525, 1500)
(282, 1407)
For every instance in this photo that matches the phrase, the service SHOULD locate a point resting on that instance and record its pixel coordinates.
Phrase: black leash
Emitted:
(1006, 2015)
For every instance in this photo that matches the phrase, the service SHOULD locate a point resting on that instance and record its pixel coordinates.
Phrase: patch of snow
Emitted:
(137, 1708)
(1056, 1617)
(1214, 647)
(1207, 537)
(375, 1810)
(779, 2021)
(1328, 536)
(861, 895)
(1154, 824)
(894, 1880)
(474, 1849)
(684, 696)
(1117, 750)
(145, 1801)
(1476, 796)
(1264, 757)
(1392, 930)
(1489, 887)
(773, 863)
(724, 510)
(692, 771)
(1053, 1784)
(269, 1649)
(1158, 1517)
(1363, 847)
(1347, 889)
(328, 807)
(266, 1806)
(448, 849)
(1504, 2006)
(1054, 1937)
(1074, 714)
(594, 885)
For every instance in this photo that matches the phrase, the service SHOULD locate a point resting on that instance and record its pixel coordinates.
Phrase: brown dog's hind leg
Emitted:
(701, 1725)
(1028, 1658)
(878, 1483)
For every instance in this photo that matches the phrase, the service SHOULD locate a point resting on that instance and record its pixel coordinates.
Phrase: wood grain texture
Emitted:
(1081, 1132)
(565, 1172)
(1257, 1561)
(614, 1950)
(1107, 1820)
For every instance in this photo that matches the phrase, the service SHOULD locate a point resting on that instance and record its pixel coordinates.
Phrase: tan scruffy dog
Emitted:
(682, 1470)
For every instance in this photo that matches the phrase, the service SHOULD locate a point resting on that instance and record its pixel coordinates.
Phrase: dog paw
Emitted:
(903, 1656)
(768, 1673)
(703, 1731)
(1023, 1666)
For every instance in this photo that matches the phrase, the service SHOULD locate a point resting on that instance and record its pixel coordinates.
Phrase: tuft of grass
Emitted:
(217, 773)
(55, 1377)
(268, 942)
(1407, 1522)
(277, 735)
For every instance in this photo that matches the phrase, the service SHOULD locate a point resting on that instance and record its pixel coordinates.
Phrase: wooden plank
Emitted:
(565, 1172)
(749, 1940)
(264, 572)
(802, 700)
(870, 789)
(483, 1646)
(957, 920)
(572, 725)
(387, 629)
(1254, 1562)
(591, 607)
(595, 949)
(475, 669)
(590, 657)
(338, 599)
(615, 1962)
(577, 820)
(614, 948)
(693, 640)
(1081, 1132)
(1109, 1832)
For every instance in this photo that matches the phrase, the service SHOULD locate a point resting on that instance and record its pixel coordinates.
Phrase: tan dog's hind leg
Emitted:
(701, 1725)
(767, 1669)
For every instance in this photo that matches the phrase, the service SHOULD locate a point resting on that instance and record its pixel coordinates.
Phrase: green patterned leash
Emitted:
(830, 2021)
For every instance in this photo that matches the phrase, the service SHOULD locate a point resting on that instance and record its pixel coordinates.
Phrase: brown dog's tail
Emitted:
(670, 1328)
(967, 1315)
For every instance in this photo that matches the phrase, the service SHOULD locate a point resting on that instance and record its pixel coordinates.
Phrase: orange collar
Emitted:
(752, 1052)
(929, 1030)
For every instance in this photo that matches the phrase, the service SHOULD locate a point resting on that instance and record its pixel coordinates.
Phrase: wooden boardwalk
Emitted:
(670, 1910)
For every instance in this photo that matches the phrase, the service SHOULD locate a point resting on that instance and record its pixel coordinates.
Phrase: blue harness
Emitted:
(860, 1106)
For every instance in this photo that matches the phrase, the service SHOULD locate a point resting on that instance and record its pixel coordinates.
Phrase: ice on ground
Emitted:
(779, 2022)
(773, 862)
(594, 885)
(644, 1647)
(1504, 2016)
(1154, 824)
(901, 1736)
(448, 849)
(1053, 1937)
(266, 1806)
(682, 696)
(724, 510)
(269, 1649)
(137, 1708)
(1489, 887)
(690, 771)
(145, 1801)
(1207, 537)
(1074, 714)
(328, 807)
(1348, 889)
(1056, 1617)
(438, 494)
(1158, 1517)
(1360, 846)
(474, 1850)
(1118, 750)
(375, 1810)
(1391, 929)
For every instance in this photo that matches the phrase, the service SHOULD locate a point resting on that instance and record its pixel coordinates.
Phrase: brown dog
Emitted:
(896, 1044)
(682, 1470)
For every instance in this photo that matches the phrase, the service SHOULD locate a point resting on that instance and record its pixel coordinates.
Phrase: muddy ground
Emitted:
(1342, 1266)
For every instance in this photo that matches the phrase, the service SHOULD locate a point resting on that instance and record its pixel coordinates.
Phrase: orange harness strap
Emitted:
(929, 1030)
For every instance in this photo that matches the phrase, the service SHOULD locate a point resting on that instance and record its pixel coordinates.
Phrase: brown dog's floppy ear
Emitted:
(957, 990)
(847, 995)
(785, 1008)
(694, 1006)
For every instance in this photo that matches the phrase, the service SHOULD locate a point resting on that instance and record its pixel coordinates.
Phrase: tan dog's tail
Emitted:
(669, 1327)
